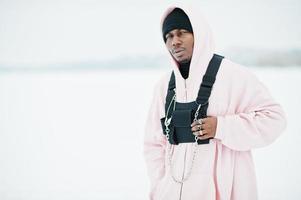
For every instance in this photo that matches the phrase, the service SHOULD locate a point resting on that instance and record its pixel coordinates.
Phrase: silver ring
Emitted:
(200, 127)
(200, 121)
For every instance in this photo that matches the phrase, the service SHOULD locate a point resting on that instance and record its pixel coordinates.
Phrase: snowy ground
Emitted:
(78, 135)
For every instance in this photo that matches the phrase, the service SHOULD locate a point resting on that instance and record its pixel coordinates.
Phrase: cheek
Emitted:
(190, 49)
(168, 46)
(191, 45)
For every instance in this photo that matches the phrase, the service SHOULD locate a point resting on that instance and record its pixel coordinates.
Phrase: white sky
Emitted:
(38, 32)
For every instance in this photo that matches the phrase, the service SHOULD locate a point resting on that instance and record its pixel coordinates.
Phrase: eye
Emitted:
(168, 36)
(183, 31)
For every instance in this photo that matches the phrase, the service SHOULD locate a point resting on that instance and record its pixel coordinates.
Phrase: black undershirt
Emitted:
(184, 69)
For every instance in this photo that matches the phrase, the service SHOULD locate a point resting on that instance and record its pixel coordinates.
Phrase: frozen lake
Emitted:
(78, 135)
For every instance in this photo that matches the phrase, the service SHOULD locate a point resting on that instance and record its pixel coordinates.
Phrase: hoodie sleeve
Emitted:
(154, 141)
(257, 120)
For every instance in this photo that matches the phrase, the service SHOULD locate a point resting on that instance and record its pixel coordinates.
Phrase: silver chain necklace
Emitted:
(167, 131)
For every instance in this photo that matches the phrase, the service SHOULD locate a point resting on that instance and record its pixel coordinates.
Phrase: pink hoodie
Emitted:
(247, 118)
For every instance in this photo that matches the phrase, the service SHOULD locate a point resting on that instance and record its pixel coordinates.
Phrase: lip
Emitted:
(178, 53)
(177, 50)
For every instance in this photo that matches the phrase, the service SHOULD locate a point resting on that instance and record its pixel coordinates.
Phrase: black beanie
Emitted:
(177, 19)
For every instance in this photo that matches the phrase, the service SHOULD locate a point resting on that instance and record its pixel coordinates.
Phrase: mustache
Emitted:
(177, 50)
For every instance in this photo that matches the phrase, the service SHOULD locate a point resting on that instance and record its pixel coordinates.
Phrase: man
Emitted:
(205, 118)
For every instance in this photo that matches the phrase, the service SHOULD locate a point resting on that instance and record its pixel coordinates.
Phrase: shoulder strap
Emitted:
(172, 81)
(170, 91)
(209, 79)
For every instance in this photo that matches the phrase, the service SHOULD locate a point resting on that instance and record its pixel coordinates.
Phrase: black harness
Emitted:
(179, 116)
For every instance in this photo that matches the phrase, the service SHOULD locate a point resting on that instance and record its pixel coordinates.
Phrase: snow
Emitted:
(79, 135)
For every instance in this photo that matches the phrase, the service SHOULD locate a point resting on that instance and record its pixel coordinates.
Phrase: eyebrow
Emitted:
(169, 33)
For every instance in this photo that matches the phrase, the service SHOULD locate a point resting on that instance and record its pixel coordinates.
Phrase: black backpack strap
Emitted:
(172, 81)
(209, 79)
(170, 90)
(168, 100)
(207, 83)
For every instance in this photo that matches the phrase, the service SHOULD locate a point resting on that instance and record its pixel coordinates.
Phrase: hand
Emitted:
(204, 128)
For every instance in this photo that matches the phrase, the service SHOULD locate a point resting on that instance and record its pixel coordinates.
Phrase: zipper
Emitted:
(184, 169)
(185, 90)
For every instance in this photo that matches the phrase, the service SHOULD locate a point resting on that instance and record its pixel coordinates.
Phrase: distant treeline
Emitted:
(265, 57)
(245, 56)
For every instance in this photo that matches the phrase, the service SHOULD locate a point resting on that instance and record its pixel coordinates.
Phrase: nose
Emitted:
(176, 41)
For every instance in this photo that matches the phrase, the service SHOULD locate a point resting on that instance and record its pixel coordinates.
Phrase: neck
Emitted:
(184, 69)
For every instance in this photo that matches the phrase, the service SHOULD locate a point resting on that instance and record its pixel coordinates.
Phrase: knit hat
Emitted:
(177, 19)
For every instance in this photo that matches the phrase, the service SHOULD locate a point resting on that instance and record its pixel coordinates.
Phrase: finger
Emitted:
(196, 128)
(205, 126)
(194, 123)
(197, 122)
(204, 136)
(204, 132)
(197, 133)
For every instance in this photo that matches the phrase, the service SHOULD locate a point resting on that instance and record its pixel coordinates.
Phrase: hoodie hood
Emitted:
(202, 51)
